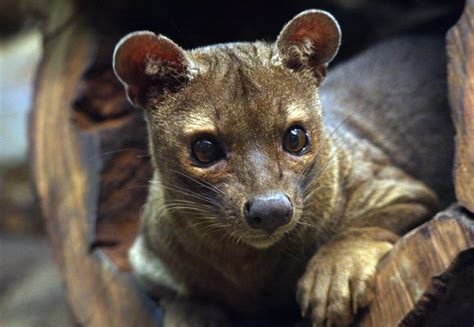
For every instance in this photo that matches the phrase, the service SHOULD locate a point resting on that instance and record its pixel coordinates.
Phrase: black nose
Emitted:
(268, 212)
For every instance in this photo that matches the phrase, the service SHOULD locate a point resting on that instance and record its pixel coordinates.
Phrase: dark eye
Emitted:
(206, 151)
(296, 140)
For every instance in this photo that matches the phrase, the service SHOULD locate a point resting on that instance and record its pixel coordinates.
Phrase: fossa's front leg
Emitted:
(339, 278)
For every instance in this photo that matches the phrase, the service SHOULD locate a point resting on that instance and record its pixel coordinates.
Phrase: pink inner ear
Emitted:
(136, 51)
(320, 29)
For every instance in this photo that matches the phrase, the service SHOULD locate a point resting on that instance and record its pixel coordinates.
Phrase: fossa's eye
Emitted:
(296, 140)
(206, 151)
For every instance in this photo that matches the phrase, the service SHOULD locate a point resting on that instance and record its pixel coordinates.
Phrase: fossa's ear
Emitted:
(309, 41)
(148, 65)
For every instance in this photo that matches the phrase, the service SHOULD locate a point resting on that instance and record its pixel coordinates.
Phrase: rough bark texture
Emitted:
(73, 173)
(460, 45)
(91, 168)
(418, 278)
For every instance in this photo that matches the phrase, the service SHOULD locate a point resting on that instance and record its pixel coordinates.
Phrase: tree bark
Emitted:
(67, 167)
(428, 274)
(460, 46)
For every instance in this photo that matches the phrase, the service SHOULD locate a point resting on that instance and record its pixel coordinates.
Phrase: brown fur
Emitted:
(354, 192)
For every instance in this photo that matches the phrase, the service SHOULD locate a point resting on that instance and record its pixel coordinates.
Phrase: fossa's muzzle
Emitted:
(268, 212)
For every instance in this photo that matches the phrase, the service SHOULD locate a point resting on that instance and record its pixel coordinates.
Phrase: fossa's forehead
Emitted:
(246, 89)
(244, 69)
(241, 96)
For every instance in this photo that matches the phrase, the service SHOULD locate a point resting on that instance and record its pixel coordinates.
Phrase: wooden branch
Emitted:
(460, 46)
(413, 279)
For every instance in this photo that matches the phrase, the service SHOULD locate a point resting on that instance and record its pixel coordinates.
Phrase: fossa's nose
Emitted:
(268, 212)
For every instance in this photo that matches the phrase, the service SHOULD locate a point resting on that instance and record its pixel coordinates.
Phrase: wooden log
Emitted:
(417, 280)
(460, 46)
(67, 168)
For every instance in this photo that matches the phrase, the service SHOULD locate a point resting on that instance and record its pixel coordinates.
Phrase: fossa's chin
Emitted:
(263, 242)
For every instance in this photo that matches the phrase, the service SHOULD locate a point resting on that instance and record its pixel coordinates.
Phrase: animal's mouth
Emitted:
(263, 240)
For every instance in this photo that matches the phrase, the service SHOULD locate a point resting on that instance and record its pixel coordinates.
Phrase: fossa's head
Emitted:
(234, 128)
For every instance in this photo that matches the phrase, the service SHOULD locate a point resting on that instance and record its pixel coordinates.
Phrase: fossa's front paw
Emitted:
(184, 313)
(339, 280)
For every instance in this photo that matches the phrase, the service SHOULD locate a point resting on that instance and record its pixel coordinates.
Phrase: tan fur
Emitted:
(352, 198)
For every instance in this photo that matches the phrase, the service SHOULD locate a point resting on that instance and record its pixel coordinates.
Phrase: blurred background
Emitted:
(31, 293)
(30, 288)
